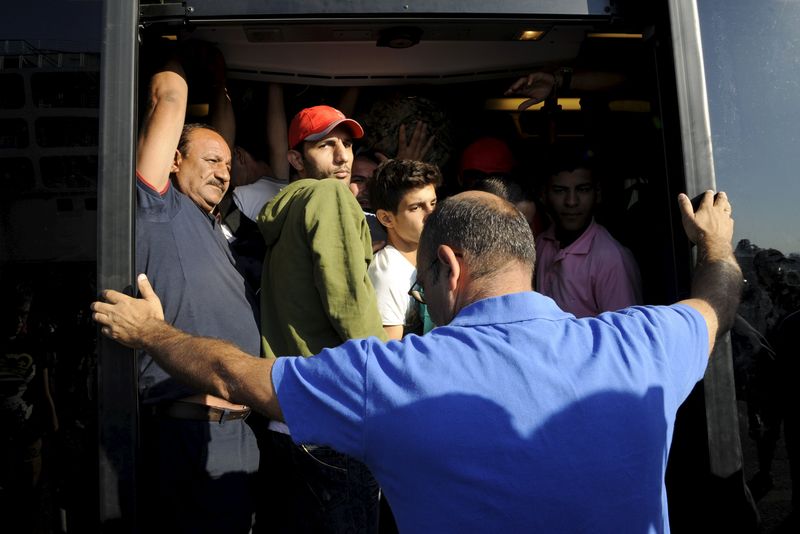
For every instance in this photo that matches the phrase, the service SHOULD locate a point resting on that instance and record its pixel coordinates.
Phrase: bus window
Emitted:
(49, 85)
(754, 113)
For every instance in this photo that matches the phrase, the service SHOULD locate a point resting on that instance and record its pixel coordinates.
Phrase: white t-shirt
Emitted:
(393, 275)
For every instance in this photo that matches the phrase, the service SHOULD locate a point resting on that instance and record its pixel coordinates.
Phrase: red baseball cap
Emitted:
(489, 155)
(314, 123)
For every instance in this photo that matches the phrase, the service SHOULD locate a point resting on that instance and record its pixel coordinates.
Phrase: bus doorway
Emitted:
(651, 128)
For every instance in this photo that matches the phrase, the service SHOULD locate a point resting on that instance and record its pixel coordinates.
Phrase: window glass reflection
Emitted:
(752, 74)
(13, 94)
(66, 131)
(13, 133)
(49, 88)
(66, 89)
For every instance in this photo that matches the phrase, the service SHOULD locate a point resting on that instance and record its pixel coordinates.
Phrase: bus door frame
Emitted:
(117, 402)
(118, 431)
(722, 422)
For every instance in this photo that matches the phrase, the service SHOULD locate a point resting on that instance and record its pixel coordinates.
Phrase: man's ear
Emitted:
(176, 162)
(385, 217)
(295, 160)
(450, 266)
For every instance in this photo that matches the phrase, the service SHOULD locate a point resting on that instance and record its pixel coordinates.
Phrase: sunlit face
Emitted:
(405, 225)
(363, 169)
(330, 157)
(203, 173)
(571, 197)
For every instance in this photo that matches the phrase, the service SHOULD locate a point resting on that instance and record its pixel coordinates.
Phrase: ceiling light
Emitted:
(530, 35)
(609, 35)
(400, 37)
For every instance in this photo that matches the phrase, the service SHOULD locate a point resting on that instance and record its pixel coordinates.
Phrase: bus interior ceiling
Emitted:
(453, 73)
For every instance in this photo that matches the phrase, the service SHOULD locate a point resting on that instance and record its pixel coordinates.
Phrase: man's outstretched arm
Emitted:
(208, 364)
(717, 281)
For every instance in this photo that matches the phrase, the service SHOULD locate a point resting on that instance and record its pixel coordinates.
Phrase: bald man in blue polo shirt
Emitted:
(513, 417)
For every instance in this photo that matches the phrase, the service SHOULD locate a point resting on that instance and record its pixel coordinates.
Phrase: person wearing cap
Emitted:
(321, 143)
(316, 294)
(485, 157)
(199, 452)
(487, 164)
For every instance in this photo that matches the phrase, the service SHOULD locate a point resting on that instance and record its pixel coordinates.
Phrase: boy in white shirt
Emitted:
(403, 194)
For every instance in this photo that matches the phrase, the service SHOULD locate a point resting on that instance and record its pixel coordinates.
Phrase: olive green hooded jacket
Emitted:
(315, 291)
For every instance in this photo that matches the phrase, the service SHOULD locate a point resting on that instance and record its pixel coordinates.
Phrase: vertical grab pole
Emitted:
(722, 422)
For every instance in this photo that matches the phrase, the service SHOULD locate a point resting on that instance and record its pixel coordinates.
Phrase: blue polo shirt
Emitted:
(516, 417)
(187, 260)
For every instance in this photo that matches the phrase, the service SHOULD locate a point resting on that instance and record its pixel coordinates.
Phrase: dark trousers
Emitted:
(198, 476)
(316, 489)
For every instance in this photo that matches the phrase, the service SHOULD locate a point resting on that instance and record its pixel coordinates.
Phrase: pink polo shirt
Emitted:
(592, 275)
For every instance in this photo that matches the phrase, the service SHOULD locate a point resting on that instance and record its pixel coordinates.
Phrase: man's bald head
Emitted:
(489, 231)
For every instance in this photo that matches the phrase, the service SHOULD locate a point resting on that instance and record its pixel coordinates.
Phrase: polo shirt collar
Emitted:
(511, 308)
(214, 217)
(582, 245)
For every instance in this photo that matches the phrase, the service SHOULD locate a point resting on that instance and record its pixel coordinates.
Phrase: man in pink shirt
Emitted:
(578, 263)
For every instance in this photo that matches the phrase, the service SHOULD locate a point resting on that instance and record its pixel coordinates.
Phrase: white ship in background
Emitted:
(48, 153)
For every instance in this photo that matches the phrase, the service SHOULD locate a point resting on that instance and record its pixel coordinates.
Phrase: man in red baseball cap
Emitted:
(321, 143)
(316, 294)
(485, 157)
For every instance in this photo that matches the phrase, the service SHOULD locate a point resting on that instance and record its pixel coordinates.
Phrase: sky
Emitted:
(66, 25)
(751, 52)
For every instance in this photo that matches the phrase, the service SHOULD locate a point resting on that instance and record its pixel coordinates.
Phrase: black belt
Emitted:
(198, 412)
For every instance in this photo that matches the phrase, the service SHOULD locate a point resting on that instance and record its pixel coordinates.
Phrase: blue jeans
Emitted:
(316, 489)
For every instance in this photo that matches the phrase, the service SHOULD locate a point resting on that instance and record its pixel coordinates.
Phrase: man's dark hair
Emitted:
(502, 186)
(395, 177)
(183, 143)
(489, 234)
(368, 155)
(564, 158)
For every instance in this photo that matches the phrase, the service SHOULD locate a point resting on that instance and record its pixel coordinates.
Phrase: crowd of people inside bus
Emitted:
(313, 240)
(306, 238)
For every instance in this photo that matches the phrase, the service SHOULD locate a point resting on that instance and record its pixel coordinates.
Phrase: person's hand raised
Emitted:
(535, 86)
(710, 226)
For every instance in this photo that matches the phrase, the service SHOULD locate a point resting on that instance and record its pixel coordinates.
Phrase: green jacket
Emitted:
(315, 292)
